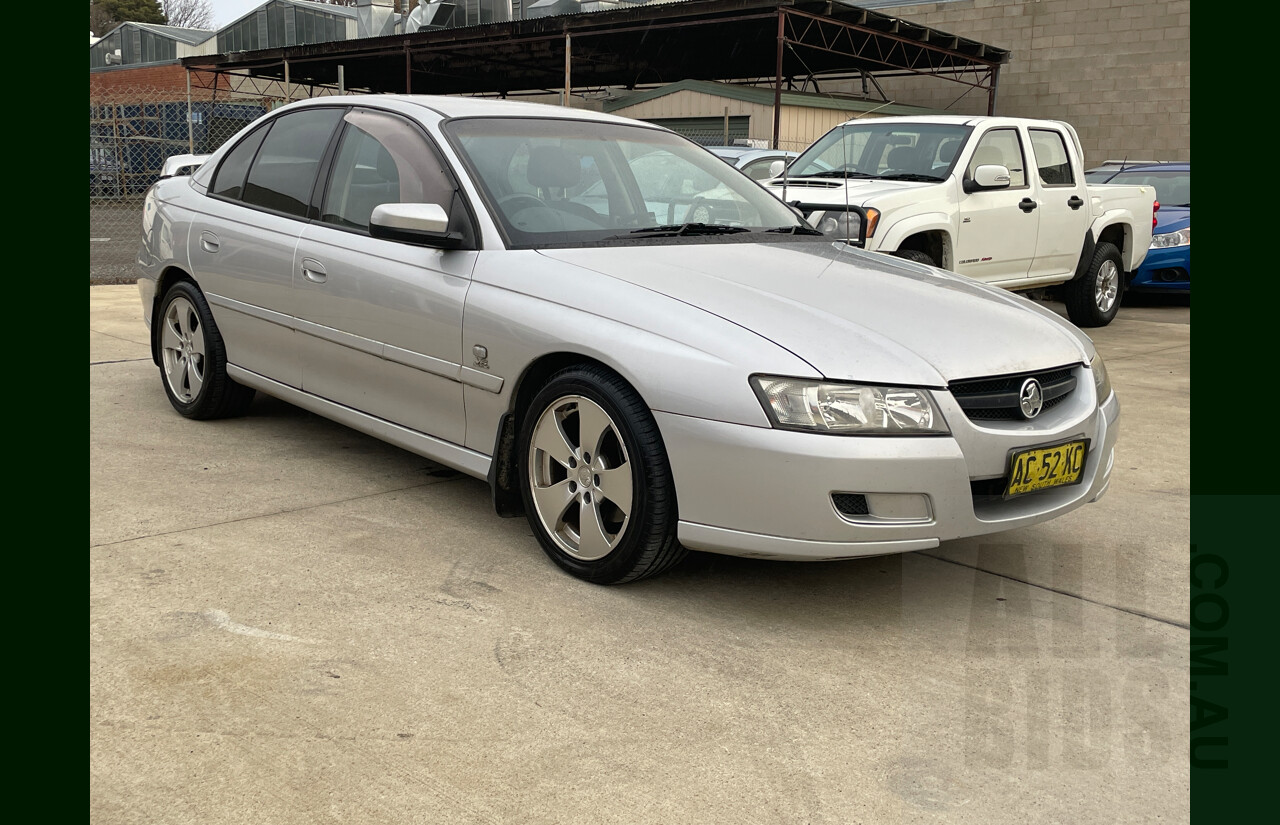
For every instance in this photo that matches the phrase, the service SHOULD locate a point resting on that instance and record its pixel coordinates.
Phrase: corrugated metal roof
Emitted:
(340, 11)
(192, 37)
(323, 8)
(763, 96)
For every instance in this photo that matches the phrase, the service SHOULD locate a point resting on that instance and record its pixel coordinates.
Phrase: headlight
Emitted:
(1180, 238)
(847, 409)
(845, 225)
(1100, 378)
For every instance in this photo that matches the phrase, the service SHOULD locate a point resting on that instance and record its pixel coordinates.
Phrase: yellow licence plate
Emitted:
(1044, 467)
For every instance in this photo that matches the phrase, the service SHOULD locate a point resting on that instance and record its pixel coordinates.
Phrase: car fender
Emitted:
(892, 236)
(166, 228)
(681, 359)
(1131, 254)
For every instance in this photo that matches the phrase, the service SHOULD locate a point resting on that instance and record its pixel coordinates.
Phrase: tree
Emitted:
(188, 14)
(105, 15)
(100, 20)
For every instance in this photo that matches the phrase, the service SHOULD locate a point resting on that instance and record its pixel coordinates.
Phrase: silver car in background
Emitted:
(431, 271)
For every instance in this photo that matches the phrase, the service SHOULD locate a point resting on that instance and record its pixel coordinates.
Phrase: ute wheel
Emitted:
(595, 479)
(1094, 299)
(193, 359)
(915, 255)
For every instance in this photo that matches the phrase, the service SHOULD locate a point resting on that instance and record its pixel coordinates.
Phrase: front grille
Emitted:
(987, 488)
(850, 504)
(995, 398)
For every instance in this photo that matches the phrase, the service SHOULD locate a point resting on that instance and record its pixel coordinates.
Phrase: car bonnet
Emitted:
(853, 315)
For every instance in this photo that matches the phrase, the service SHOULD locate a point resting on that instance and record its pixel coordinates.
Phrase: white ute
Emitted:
(998, 199)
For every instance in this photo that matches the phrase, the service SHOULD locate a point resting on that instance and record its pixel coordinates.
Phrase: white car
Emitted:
(429, 271)
(757, 164)
(1003, 200)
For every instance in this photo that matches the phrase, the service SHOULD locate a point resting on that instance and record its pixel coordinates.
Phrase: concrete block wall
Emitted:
(1119, 71)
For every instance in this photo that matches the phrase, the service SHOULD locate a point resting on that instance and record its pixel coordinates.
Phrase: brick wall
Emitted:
(1119, 71)
(171, 78)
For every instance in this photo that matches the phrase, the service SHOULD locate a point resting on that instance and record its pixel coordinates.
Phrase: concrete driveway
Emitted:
(291, 622)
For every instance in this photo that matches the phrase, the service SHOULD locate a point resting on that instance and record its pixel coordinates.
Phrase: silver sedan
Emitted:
(515, 291)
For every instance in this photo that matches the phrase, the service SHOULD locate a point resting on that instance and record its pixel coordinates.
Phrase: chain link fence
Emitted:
(131, 133)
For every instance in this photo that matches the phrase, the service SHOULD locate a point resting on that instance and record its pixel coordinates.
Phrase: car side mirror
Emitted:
(424, 224)
(988, 176)
(777, 168)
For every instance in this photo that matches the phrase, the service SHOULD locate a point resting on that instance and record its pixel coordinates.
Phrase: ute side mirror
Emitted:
(424, 224)
(777, 168)
(988, 176)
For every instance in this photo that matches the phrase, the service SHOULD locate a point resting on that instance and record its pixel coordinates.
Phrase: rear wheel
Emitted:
(193, 359)
(595, 479)
(1094, 299)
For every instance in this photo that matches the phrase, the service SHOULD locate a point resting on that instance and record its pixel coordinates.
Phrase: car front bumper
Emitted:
(1164, 270)
(767, 493)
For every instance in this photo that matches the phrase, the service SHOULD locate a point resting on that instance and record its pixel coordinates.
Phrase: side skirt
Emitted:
(451, 455)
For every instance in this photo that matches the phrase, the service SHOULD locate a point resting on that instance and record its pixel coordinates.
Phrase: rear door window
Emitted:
(229, 181)
(284, 172)
(1052, 160)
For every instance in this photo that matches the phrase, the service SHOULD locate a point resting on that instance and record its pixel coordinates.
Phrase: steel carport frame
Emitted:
(773, 42)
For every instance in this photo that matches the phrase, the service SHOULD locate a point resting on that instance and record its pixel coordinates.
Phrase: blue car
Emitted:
(1167, 267)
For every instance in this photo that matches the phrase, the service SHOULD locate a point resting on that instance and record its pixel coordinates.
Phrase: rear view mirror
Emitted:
(777, 168)
(425, 224)
(988, 176)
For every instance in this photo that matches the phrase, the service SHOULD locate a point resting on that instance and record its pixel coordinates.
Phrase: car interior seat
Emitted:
(553, 168)
(987, 155)
(947, 152)
(900, 159)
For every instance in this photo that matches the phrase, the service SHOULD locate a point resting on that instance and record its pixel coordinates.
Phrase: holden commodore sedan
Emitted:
(428, 271)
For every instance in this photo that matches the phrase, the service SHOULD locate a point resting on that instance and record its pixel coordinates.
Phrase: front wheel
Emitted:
(1094, 299)
(915, 255)
(595, 479)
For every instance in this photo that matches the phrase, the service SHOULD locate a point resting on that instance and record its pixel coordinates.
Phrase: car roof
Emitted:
(450, 107)
(1172, 166)
(739, 152)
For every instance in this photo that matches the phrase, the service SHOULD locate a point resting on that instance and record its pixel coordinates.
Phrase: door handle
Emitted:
(313, 270)
(1074, 202)
(208, 241)
(1026, 204)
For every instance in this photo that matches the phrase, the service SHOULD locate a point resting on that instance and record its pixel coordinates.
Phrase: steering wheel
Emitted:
(519, 200)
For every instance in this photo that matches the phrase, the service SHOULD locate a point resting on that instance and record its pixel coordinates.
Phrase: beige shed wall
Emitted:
(799, 125)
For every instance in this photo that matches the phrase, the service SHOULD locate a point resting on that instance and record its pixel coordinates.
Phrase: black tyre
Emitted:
(915, 255)
(193, 359)
(595, 479)
(1094, 299)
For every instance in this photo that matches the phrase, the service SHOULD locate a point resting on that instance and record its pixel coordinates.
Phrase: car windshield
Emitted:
(1173, 188)
(551, 182)
(883, 149)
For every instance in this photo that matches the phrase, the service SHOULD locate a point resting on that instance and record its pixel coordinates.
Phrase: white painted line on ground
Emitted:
(222, 621)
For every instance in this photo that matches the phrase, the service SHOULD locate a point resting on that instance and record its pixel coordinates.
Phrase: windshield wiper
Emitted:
(679, 230)
(912, 176)
(835, 173)
(794, 230)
